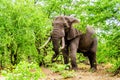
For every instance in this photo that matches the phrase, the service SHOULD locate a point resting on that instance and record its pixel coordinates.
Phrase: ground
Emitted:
(83, 73)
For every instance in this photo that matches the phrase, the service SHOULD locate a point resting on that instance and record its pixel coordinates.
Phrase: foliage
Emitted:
(63, 70)
(58, 67)
(68, 74)
(24, 71)
(22, 30)
(116, 68)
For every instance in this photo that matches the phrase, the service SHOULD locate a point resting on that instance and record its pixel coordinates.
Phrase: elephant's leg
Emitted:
(73, 59)
(65, 55)
(73, 50)
(92, 59)
(92, 56)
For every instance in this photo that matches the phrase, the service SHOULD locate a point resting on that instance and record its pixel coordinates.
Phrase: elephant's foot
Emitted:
(74, 68)
(93, 69)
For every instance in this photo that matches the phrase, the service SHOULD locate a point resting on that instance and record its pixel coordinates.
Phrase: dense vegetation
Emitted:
(26, 24)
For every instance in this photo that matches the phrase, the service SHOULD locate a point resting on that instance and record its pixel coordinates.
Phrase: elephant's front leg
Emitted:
(65, 55)
(73, 50)
(73, 58)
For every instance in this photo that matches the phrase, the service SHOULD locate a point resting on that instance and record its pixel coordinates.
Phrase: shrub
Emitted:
(24, 71)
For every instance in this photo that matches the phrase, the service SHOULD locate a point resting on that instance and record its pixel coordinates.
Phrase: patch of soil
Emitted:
(83, 73)
(50, 75)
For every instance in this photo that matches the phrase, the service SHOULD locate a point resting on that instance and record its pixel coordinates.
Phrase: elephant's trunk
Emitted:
(58, 34)
(55, 42)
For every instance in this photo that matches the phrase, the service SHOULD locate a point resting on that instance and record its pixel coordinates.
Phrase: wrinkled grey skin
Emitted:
(75, 41)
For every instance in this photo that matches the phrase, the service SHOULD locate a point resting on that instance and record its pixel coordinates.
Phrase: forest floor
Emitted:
(83, 73)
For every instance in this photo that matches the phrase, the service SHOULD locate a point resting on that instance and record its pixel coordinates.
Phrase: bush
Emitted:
(24, 71)
(23, 30)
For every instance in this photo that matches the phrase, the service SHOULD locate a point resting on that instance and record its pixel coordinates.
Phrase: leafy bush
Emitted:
(24, 71)
(63, 70)
(23, 29)
(58, 67)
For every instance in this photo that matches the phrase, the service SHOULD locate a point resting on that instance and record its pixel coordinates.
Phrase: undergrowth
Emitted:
(24, 71)
(63, 70)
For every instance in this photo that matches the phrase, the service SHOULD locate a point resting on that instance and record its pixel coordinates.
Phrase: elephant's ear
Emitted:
(72, 33)
(72, 19)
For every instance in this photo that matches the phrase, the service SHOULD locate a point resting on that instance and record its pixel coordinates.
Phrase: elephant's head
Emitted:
(62, 28)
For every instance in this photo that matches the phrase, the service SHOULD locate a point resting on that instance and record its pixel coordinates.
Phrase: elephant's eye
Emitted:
(65, 27)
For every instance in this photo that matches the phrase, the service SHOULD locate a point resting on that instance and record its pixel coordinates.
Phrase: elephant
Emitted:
(70, 41)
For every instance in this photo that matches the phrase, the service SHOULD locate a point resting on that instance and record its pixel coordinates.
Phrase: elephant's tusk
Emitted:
(63, 43)
(45, 43)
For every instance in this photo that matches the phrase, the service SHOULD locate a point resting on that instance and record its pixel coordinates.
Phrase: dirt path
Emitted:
(83, 74)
